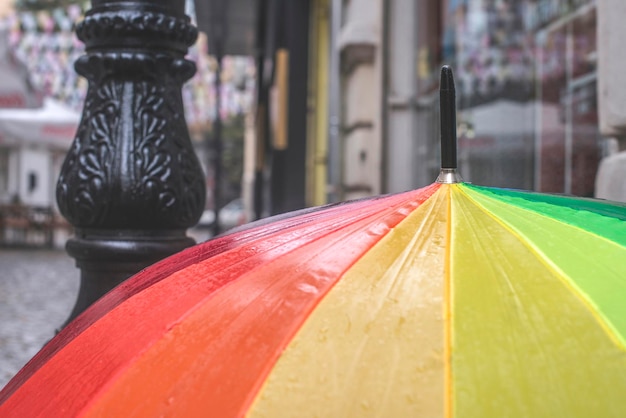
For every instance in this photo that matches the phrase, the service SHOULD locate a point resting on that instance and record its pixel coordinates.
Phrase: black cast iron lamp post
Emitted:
(131, 183)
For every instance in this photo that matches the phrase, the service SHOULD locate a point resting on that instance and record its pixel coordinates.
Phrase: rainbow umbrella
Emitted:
(453, 300)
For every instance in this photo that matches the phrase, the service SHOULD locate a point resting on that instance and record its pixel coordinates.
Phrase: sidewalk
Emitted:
(38, 289)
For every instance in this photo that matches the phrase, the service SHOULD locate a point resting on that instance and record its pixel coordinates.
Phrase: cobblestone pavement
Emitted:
(38, 289)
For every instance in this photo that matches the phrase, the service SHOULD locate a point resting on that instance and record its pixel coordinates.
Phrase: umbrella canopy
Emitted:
(452, 300)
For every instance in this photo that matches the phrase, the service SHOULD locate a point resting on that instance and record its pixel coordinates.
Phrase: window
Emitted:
(526, 91)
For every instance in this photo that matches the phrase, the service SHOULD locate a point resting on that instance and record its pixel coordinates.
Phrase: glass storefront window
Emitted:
(568, 139)
(526, 75)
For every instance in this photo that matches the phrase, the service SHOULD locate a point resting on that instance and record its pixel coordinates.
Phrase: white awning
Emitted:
(53, 125)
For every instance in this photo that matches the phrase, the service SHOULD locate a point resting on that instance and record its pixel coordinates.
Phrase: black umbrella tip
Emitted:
(447, 78)
(447, 114)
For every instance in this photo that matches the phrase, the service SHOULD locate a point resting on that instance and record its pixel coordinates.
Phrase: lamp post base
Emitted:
(107, 260)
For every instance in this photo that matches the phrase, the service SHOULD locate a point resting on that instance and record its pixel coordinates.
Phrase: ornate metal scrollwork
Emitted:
(132, 165)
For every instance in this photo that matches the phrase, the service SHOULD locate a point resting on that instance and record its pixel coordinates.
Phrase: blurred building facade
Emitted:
(345, 93)
(527, 77)
(38, 48)
(40, 100)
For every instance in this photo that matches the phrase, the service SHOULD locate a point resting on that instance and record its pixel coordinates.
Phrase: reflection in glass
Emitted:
(526, 92)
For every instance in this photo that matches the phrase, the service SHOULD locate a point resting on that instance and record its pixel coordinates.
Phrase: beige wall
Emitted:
(359, 43)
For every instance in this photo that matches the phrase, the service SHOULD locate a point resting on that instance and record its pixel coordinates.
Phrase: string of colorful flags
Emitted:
(45, 43)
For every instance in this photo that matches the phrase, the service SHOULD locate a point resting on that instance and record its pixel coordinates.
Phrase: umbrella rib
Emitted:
(372, 220)
(604, 322)
(488, 193)
(386, 292)
(615, 210)
(501, 255)
(447, 314)
(522, 351)
(406, 256)
(375, 219)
